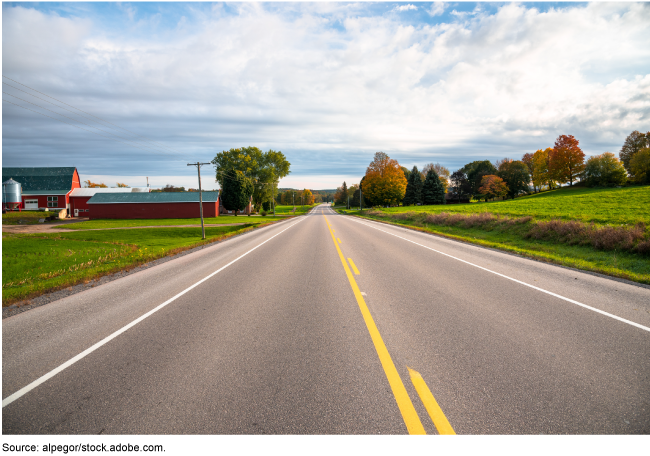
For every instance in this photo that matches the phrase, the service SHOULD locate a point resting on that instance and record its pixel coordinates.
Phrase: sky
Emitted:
(328, 84)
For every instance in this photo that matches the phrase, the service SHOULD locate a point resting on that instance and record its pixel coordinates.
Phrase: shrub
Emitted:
(403, 215)
(436, 219)
(263, 213)
(568, 232)
(620, 238)
(643, 248)
(601, 238)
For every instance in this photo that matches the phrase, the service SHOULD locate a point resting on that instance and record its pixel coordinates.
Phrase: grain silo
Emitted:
(11, 194)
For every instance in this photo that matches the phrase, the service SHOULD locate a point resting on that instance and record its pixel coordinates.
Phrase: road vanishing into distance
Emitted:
(331, 324)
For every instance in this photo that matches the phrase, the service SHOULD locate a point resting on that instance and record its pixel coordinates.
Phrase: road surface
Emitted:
(329, 324)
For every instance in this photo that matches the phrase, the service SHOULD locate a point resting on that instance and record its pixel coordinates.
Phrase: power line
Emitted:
(105, 121)
(54, 104)
(75, 120)
(72, 125)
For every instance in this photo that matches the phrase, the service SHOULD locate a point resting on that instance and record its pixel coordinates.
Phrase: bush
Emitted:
(605, 238)
(263, 213)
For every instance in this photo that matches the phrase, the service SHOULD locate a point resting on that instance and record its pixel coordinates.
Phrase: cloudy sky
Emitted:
(328, 84)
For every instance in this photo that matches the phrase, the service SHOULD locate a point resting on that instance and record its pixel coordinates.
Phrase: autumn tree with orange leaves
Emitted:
(384, 182)
(493, 187)
(567, 161)
(89, 184)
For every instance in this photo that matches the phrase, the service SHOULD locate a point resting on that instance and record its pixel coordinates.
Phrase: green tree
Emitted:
(640, 166)
(413, 194)
(605, 170)
(441, 171)
(341, 195)
(433, 192)
(515, 175)
(633, 144)
(236, 190)
(460, 186)
(264, 169)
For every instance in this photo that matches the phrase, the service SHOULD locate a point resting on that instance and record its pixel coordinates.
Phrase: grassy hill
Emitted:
(616, 206)
(601, 230)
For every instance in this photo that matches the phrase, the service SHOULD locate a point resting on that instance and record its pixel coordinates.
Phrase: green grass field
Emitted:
(31, 217)
(616, 206)
(36, 263)
(119, 223)
(287, 210)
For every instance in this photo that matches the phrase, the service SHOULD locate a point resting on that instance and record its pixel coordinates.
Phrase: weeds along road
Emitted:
(329, 324)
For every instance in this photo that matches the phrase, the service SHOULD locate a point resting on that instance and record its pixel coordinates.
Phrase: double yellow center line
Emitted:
(410, 416)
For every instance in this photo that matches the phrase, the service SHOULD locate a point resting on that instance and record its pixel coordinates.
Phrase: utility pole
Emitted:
(348, 201)
(360, 198)
(198, 167)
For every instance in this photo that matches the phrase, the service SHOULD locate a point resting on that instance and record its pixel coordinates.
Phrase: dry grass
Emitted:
(573, 232)
(620, 238)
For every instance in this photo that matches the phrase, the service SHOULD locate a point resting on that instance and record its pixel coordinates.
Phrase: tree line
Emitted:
(386, 183)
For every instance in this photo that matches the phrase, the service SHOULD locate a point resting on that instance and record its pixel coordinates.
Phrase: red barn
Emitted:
(44, 188)
(80, 196)
(152, 205)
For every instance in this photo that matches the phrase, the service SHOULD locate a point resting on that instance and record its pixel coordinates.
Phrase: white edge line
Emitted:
(21, 392)
(515, 280)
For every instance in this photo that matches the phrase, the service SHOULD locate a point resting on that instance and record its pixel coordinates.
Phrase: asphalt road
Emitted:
(274, 332)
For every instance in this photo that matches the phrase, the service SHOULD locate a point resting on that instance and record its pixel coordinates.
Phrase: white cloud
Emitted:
(438, 8)
(329, 97)
(405, 8)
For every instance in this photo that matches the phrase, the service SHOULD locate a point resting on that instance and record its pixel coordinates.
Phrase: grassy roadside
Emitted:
(27, 217)
(288, 210)
(599, 230)
(120, 223)
(617, 264)
(34, 264)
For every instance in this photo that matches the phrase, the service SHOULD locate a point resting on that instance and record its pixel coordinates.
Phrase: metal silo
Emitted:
(11, 194)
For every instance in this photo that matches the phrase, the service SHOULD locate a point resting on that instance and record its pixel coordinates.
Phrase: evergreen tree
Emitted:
(413, 193)
(433, 192)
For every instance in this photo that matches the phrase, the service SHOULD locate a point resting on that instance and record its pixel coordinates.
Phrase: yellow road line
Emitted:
(338, 240)
(430, 403)
(410, 416)
(354, 266)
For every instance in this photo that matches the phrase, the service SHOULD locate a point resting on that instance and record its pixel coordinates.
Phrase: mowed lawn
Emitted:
(120, 223)
(35, 263)
(288, 210)
(615, 206)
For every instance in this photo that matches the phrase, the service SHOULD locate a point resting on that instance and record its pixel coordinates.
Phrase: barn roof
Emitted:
(36, 180)
(158, 197)
(94, 191)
